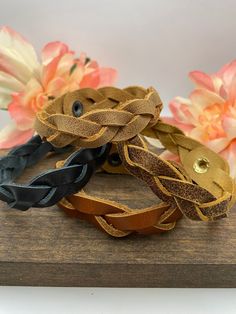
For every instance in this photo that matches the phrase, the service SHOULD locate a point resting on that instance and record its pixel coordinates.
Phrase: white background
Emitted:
(150, 43)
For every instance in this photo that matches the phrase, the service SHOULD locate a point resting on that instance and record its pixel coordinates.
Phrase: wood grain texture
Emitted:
(45, 247)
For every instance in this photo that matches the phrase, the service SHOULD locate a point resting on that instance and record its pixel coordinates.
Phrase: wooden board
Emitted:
(44, 247)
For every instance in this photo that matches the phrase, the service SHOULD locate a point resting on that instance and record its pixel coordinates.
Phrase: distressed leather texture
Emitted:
(120, 116)
(109, 115)
(199, 196)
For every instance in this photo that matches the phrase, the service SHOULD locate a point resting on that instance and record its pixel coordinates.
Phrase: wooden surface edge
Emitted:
(118, 275)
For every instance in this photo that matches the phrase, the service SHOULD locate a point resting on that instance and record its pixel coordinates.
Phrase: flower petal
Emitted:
(33, 90)
(227, 72)
(202, 98)
(56, 86)
(17, 56)
(53, 50)
(197, 133)
(230, 155)
(98, 77)
(108, 76)
(8, 85)
(232, 92)
(11, 136)
(58, 66)
(49, 71)
(229, 126)
(65, 64)
(179, 107)
(22, 115)
(218, 144)
(91, 79)
(202, 80)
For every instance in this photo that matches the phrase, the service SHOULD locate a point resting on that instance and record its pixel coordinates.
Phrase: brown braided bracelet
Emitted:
(204, 193)
(169, 182)
(119, 220)
(201, 188)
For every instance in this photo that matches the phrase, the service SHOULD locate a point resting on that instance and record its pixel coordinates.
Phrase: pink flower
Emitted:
(209, 114)
(26, 83)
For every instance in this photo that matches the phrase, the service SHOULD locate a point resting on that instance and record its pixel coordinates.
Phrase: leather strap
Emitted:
(47, 188)
(205, 167)
(119, 220)
(202, 190)
(108, 114)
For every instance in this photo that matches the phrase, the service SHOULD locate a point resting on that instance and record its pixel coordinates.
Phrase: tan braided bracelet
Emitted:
(91, 118)
(201, 188)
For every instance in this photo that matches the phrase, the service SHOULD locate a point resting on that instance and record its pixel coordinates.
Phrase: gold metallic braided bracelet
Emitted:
(200, 188)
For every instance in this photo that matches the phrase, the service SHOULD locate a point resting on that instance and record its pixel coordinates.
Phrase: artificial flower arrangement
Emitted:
(28, 82)
(209, 113)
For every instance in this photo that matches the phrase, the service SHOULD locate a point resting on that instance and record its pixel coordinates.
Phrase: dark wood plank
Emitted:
(44, 247)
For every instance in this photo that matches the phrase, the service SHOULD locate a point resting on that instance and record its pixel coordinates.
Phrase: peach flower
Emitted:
(27, 83)
(209, 114)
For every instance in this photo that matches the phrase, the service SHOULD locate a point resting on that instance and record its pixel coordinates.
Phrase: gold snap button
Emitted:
(201, 165)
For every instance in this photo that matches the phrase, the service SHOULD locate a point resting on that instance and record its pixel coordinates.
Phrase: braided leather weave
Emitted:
(109, 115)
(119, 220)
(199, 195)
(215, 177)
(49, 187)
(169, 181)
(200, 188)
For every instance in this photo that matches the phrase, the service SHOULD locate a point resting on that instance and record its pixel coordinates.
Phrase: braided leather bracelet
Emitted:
(201, 189)
(49, 187)
(91, 118)
(170, 182)
(117, 219)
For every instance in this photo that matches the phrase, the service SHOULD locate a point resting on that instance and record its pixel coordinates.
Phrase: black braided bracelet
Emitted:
(51, 186)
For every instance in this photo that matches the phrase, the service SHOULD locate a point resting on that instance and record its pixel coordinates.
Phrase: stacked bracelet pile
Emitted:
(199, 187)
